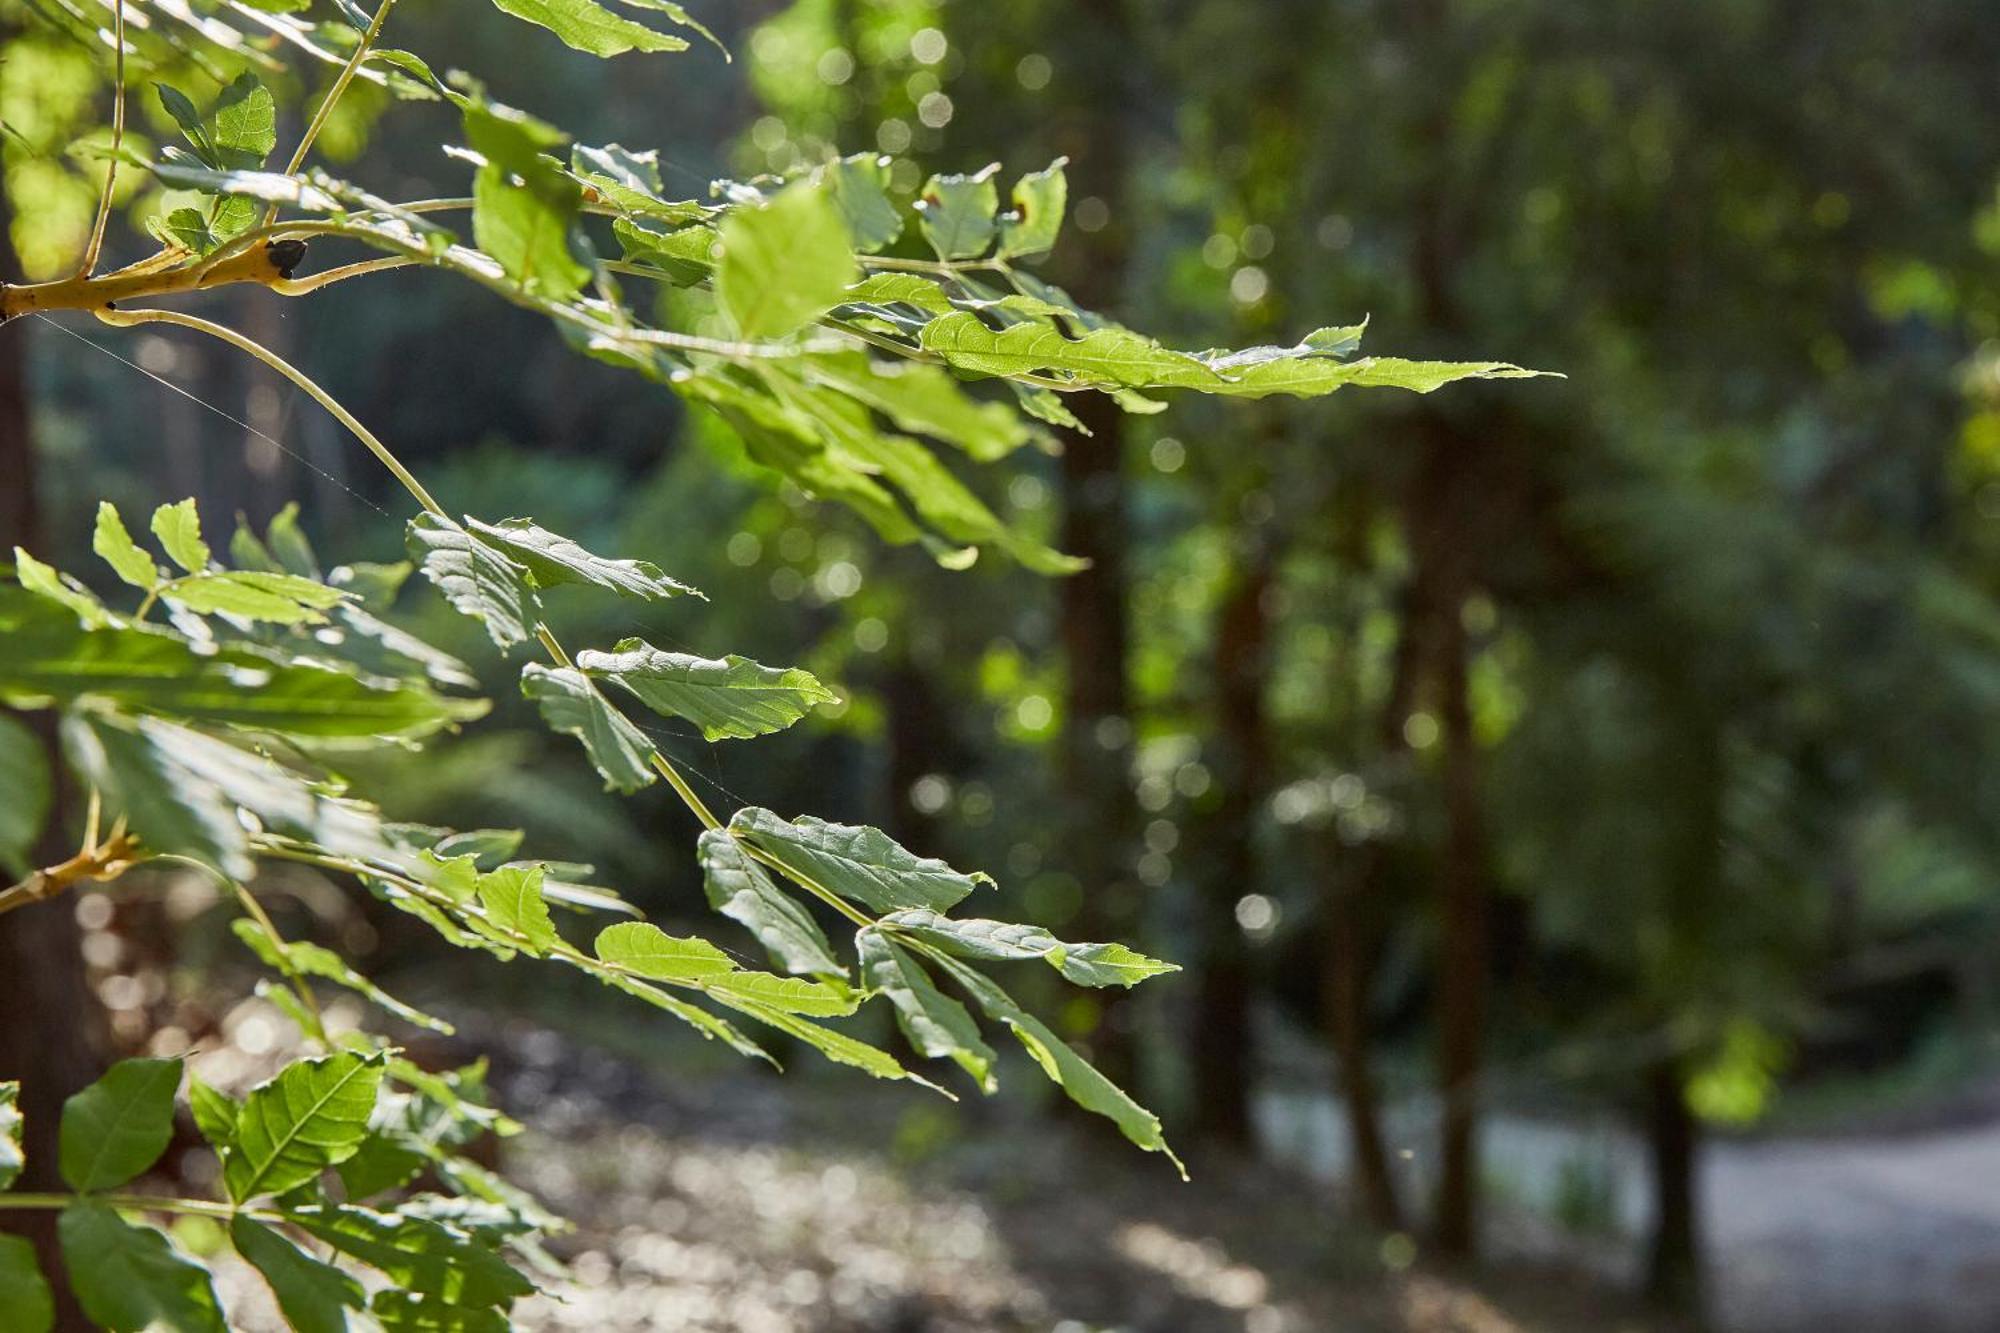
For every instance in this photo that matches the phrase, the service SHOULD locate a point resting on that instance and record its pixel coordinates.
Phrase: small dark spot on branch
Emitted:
(285, 256)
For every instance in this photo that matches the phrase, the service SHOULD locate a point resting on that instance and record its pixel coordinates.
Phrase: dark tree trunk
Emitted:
(1673, 1276)
(1350, 951)
(1462, 950)
(1094, 618)
(50, 1023)
(1223, 1047)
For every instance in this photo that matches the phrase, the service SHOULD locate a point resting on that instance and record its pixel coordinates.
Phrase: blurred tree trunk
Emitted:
(50, 1036)
(1354, 935)
(1673, 1277)
(1223, 1045)
(1462, 947)
(1095, 620)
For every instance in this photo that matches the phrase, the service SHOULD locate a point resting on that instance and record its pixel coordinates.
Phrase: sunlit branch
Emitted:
(96, 245)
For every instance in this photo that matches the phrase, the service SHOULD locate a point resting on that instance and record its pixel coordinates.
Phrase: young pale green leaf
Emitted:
(215, 1114)
(279, 599)
(130, 1279)
(119, 1125)
(554, 559)
(10, 1133)
(709, 1025)
(957, 213)
(512, 897)
(313, 1115)
(24, 1293)
(420, 1256)
(740, 889)
(734, 698)
(1102, 358)
(641, 947)
(24, 776)
(587, 26)
(935, 1024)
(910, 289)
(1036, 221)
(1306, 371)
(44, 582)
(476, 578)
(784, 264)
(835, 1046)
(1002, 941)
(178, 528)
(1071, 1072)
(860, 189)
(523, 204)
(315, 1297)
(114, 544)
(864, 865)
(244, 125)
(312, 960)
(686, 257)
(570, 704)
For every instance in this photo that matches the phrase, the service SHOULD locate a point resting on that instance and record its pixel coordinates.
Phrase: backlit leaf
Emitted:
(863, 864)
(314, 1296)
(742, 890)
(784, 264)
(313, 1114)
(476, 578)
(730, 698)
(570, 704)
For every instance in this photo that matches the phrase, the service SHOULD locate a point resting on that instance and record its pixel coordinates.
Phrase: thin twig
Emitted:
(103, 219)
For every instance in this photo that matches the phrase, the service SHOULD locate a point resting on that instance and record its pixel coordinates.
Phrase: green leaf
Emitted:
(865, 865)
(937, 1025)
(570, 704)
(245, 123)
(925, 399)
(957, 213)
(112, 542)
(1076, 1076)
(25, 778)
(119, 1125)
(188, 118)
(1001, 941)
(646, 949)
(860, 189)
(734, 698)
(46, 583)
(709, 1025)
(514, 906)
(129, 1279)
(554, 559)
(1101, 358)
(476, 578)
(524, 205)
(587, 26)
(420, 1256)
(24, 1293)
(379, 1164)
(312, 1115)
(312, 960)
(784, 264)
(685, 256)
(215, 1114)
(401, 1312)
(179, 529)
(279, 599)
(835, 1046)
(1039, 201)
(791, 994)
(288, 543)
(180, 790)
(11, 1160)
(50, 657)
(314, 1296)
(739, 888)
